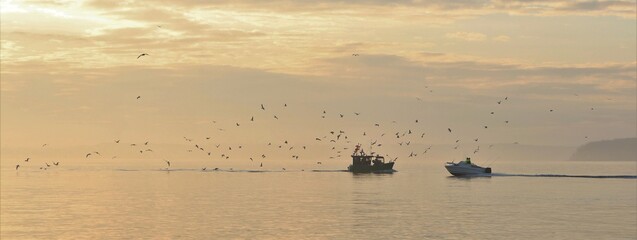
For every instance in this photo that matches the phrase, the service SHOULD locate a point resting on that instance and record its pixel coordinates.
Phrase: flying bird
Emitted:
(138, 97)
(167, 162)
(262, 107)
(27, 160)
(141, 55)
(17, 166)
(449, 129)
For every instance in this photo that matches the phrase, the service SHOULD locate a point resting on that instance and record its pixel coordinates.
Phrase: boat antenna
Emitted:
(492, 161)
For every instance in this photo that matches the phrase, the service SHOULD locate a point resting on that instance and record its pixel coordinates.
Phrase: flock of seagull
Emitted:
(335, 138)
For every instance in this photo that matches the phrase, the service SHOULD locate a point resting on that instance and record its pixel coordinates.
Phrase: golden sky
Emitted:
(70, 73)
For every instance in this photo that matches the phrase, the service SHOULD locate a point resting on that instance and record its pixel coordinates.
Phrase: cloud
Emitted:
(440, 70)
(467, 36)
(501, 38)
(454, 9)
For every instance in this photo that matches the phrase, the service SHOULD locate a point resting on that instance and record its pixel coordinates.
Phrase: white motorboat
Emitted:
(465, 168)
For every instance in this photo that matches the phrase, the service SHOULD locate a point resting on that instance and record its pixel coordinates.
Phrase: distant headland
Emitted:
(624, 149)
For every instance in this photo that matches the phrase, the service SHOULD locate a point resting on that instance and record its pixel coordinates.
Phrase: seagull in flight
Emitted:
(167, 162)
(141, 55)
(17, 166)
(262, 107)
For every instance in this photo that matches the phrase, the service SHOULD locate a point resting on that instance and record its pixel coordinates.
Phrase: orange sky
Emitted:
(70, 74)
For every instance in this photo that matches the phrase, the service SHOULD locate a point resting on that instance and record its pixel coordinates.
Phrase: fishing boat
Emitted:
(465, 168)
(363, 163)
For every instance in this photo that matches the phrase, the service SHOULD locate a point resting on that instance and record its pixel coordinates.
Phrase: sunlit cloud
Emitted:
(467, 36)
(501, 38)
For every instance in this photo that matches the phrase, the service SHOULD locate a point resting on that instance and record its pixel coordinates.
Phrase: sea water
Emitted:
(420, 201)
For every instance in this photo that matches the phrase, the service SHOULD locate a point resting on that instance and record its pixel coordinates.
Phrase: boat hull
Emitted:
(376, 168)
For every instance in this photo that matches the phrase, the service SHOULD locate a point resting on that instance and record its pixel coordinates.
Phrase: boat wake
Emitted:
(330, 171)
(564, 176)
(222, 170)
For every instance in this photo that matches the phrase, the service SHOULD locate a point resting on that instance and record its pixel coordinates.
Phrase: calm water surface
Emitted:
(418, 202)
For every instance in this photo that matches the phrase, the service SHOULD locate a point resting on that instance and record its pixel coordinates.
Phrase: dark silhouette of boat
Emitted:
(363, 163)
